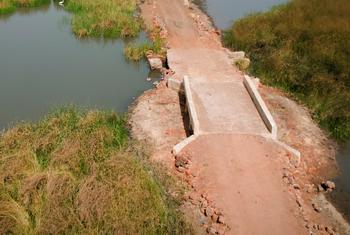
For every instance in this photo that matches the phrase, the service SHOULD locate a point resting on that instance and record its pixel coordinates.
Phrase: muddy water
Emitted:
(42, 65)
(341, 196)
(224, 12)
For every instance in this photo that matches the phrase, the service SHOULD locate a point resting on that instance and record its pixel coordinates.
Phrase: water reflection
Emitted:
(44, 65)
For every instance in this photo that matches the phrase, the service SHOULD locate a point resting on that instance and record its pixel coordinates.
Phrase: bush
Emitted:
(303, 47)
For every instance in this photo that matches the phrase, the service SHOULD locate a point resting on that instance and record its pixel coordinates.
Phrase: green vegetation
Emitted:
(304, 48)
(103, 18)
(137, 52)
(9, 6)
(107, 18)
(78, 173)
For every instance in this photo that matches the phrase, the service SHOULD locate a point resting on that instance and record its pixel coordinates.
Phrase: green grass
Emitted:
(104, 18)
(136, 52)
(9, 6)
(303, 47)
(79, 173)
(90, 18)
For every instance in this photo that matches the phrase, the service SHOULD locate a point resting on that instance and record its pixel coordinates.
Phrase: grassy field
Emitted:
(303, 47)
(78, 173)
(9, 6)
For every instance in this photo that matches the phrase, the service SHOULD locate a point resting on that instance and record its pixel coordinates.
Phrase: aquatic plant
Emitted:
(138, 51)
(303, 47)
(79, 173)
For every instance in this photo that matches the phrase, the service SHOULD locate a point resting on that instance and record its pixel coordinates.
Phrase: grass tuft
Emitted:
(104, 18)
(136, 52)
(78, 173)
(303, 47)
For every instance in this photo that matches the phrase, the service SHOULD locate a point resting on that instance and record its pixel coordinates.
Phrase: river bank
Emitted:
(44, 65)
(75, 171)
(295, 50)
(318, 152)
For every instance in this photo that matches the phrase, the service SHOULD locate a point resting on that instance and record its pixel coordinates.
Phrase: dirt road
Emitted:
(240, 171)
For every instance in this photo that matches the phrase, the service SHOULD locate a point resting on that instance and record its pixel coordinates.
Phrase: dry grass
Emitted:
(78, 173)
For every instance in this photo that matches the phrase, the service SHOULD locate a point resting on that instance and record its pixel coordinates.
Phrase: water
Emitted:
(224, 12)
(341, 196)
(42, 65)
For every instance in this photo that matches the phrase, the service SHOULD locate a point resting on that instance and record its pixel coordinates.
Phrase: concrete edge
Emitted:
(296, 154)
(191, 107)
(180, 146)
(260, 106)
(175, 84)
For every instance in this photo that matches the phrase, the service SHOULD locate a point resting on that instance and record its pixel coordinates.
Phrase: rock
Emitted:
(215, 218)
(236, 55)
(209, 212)
(329, 186)
(204, 203)
(180, 169)
(221, 219)
(155, 62)
(186, 3)
(156, 84)
(320, 188)
(211, 230)
(221, 229)
(256, 82)
(181, 161)
(316, 207)
(310, 188)
(299, 201)
(330, 230)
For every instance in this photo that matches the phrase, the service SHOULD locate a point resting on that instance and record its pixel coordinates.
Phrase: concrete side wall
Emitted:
(191, 107)
(261, 106)
(175, 84)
